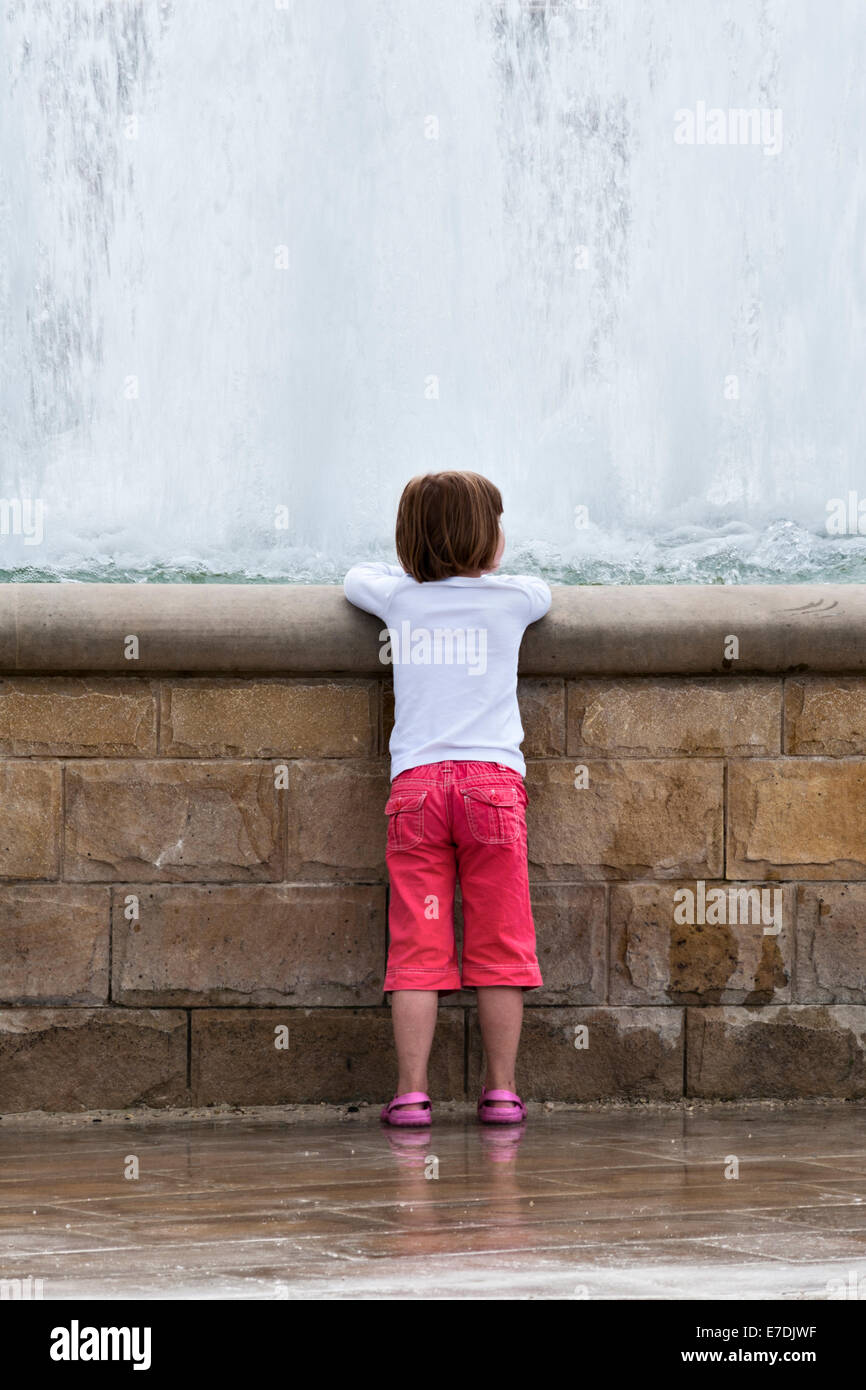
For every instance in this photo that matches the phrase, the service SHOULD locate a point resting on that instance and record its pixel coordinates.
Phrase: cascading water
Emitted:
(263, 260)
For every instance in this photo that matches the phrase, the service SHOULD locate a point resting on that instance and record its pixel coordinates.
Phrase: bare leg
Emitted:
(500, 1013)
(413, 1015)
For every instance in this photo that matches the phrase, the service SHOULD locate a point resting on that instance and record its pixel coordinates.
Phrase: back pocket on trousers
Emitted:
(405, 812)
(494, 814)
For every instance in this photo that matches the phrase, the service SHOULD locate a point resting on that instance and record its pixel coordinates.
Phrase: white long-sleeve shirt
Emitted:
(453, 644)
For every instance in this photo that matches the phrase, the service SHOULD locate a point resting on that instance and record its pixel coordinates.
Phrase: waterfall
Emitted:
(263, 260)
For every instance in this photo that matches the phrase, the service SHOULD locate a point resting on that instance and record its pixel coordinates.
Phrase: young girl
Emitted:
(457, 803)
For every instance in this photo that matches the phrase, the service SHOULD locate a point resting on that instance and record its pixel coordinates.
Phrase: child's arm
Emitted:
(539, 597)
(370, 586)
(536, 591)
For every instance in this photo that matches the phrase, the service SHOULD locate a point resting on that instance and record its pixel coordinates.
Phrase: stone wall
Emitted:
(192, 852)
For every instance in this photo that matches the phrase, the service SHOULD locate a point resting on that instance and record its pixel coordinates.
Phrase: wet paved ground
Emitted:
(623, 1204)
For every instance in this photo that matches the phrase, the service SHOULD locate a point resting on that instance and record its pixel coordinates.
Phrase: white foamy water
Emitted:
(238, 243)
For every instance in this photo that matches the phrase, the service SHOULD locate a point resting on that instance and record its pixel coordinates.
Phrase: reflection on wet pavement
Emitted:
(643, 1203)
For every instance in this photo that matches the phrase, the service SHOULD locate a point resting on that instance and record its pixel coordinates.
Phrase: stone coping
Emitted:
(297, 628)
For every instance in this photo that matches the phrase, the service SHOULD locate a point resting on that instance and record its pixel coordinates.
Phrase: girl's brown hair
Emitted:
(447, 524)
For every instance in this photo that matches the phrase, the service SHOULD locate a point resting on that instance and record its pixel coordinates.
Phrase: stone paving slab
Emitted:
(631, 1203)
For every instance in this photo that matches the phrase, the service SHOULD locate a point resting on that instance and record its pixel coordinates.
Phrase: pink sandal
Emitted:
(511, 1114)
(393, 1114)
